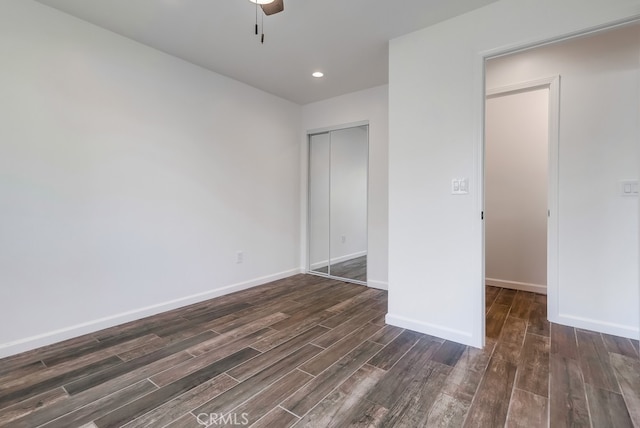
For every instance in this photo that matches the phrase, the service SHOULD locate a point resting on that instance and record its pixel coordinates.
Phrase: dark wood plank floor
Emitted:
(314, 352)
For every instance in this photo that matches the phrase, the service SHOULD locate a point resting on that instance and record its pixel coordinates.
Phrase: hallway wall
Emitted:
(515, 189)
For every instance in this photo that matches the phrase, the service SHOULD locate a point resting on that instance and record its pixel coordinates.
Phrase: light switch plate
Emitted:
(629, 187)
(460, 186)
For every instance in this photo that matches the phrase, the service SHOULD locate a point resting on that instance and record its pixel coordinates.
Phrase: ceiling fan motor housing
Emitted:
(274, 7)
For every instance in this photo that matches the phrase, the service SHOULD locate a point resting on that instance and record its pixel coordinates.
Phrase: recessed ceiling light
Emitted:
(262, 1)
(317, 74)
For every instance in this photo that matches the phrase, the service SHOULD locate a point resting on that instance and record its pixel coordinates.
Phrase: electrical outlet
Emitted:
(239, 257)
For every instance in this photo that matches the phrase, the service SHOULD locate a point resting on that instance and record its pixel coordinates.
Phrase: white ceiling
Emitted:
(346, 39)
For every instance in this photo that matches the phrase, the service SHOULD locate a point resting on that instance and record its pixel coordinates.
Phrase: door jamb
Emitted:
(553, 84)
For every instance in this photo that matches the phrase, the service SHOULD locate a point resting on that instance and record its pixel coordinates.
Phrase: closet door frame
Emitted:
(309, 134)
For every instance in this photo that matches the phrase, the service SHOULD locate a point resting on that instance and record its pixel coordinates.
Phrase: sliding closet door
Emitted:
(337, 227)
(348, 203)
(319, 184)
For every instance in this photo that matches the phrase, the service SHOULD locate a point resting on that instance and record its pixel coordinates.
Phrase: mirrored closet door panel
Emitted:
(338, 164)
(319, 156)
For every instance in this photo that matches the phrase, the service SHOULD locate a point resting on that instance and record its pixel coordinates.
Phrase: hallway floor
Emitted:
(577, 377)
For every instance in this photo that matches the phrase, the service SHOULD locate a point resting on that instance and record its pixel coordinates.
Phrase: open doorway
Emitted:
(520, 187)
(561, 242)
(591, 274)
(516, 187)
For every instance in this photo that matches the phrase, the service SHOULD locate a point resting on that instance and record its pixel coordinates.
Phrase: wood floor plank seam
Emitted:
(388, 355)
(169, 392)
(257, 392)
(403, 355)
(261, 360)
(488, 399)
(627, 370)
(283, 334)
(28, 357)
(510, 401)
(17, 394)
(276, 417)
(13, 380)
(289, 411)
(185, 402)
(263, 379)
(417, 400)
(584, 384)
(607, 408)
(231, 376)
(103, 375)
(26, 407)
(183, 369)
(388, 336)
(332, 409)
(38, 417)
(237, 334)
(340, 349)
(295, 380)
(338, 384)
(466, 416)
(536, 334)
(615, 377)
(302, 370)
(68, 419)
(398, 378)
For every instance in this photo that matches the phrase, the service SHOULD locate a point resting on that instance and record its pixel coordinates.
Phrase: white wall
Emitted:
(370, 105)
(515, 189)
(129, 179)
(435, 117)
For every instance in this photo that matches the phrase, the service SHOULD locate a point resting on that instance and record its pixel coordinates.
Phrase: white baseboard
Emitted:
(380, 285)
(595, 325)
(319, 265)
(323, 263)
(515, 285)
(434, 330)
(48, 338)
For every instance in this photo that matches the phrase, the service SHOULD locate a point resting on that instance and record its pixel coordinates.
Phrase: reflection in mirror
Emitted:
(319, 203)
(348, 206)
(338, 163)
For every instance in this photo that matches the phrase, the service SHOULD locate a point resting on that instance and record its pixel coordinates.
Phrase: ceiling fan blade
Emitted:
(274, 7)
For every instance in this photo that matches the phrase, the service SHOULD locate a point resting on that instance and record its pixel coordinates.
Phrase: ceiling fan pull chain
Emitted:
(256, 19)
(262, 37)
